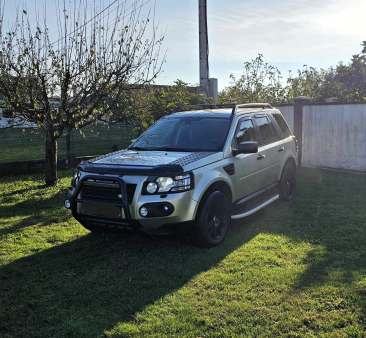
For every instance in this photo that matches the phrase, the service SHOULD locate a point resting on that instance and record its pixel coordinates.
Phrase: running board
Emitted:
(247, 213)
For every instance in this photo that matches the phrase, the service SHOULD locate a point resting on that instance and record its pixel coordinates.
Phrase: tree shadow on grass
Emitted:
(82, 288)
(334, 222)
(85, 287)
(31, 212)
(7, 196)
(329, 213)
(14, 179)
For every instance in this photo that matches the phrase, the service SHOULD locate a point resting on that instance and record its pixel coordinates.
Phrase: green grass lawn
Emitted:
(296, 269)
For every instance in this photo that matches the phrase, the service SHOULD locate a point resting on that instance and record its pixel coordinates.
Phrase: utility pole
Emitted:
(203, 41)
(208, 86)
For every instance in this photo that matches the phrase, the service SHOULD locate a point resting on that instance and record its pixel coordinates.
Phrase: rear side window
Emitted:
(282, 124)
(245, 132)
(266, 129)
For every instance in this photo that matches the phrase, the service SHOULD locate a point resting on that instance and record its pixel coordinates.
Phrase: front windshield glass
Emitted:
(185, 133)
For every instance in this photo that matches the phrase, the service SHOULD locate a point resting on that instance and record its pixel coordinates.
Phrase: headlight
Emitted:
(170, 184)
(182, 183)
(152, 187)
(165, 183)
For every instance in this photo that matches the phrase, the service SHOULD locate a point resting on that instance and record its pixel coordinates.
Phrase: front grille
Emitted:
(107, 190)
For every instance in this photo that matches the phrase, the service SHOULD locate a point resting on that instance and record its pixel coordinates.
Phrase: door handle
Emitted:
(260, 157)
(281, 148)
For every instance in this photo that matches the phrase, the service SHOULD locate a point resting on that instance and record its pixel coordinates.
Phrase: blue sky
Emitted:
(289, 33)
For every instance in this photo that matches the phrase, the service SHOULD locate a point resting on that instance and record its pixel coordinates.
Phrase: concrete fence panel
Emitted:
(334, 136)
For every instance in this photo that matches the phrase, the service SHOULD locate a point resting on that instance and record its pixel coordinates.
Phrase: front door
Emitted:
(249, 168)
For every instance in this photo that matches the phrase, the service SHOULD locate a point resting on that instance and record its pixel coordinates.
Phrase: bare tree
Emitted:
(101, 55)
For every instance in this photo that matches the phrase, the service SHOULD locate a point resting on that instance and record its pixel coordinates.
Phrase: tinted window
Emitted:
(282, 124)
(185, 133)
(245, 132)
(265, 127)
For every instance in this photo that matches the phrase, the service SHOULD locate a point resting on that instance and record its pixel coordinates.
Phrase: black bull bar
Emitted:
(100, 223)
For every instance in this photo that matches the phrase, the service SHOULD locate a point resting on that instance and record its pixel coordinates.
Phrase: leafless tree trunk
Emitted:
(51, 160)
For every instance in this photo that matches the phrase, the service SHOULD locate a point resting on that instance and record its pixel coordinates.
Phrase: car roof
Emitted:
(223, 112)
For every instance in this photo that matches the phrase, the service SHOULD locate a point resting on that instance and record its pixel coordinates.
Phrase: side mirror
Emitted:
(249, 147)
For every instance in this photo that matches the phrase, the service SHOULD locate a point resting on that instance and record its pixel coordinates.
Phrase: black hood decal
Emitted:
(192, 158)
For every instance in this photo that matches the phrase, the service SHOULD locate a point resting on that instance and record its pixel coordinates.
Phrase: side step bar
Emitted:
(252, 211)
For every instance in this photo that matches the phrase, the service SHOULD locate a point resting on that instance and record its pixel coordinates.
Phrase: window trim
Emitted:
(246, 118)
(274, 130)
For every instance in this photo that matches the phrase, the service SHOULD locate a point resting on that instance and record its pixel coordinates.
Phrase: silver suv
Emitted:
(191, 171)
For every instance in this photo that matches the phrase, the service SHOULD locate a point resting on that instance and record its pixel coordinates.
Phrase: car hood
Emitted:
(131, 162)
(151, 158)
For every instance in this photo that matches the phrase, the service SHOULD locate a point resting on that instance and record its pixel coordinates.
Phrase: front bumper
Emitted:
(180, 219)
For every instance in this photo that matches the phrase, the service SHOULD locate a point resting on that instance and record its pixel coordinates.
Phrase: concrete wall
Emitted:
(334, 136)
(288, 114)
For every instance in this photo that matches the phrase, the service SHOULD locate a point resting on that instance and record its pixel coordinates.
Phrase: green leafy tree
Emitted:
(347, 82)
(352, 79)
(260, 82)
(142, 107)
(163, 101)
(313, 83)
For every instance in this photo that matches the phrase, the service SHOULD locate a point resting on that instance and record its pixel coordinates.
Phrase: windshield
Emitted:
(185, 133)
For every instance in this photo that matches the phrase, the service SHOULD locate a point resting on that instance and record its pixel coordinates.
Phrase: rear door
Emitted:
(249, 168)
(287, 144)
(270, 144)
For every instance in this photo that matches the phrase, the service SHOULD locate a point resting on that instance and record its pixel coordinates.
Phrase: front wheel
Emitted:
(212, 221)
(288, 183)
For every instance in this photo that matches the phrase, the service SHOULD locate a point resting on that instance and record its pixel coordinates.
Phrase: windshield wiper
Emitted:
(142, 148)
(177, 149)
(161, 149)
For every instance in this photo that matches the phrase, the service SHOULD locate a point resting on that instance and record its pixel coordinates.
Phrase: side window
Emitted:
(266, 129)
(245, 132)
(282, 124)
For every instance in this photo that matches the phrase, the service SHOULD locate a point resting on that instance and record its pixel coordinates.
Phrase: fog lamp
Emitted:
(67, 204)
(143, 212)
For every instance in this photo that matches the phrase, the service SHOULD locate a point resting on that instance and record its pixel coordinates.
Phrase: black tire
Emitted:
(97, 232)
(212, 221)
(288, 183)
(93, 230)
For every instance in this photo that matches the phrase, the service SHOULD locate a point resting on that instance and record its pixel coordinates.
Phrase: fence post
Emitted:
(298, 104)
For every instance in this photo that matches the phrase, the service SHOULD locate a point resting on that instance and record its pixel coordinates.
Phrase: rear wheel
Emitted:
(212, 221)
(288, 183)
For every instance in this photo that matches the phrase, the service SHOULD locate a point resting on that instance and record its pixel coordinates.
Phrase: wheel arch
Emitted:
(218, 185)
(291, 160)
